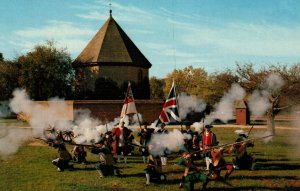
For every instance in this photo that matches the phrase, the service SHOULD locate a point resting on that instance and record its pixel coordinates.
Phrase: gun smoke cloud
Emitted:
(224, 109)
(189, 104)
(259, 101)
(161, 143)
(41, 117)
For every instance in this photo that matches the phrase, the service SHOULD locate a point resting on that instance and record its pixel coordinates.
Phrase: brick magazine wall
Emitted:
(66, 111)
(110, 109)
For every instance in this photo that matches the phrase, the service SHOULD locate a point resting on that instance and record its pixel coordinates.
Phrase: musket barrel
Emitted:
(231, 144)
(86, 145)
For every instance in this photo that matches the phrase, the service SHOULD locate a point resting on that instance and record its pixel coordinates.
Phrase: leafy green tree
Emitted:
(193, 81)
(221, 83)
(47, 72)
(9, 73)
(156, 88)
(106, 88)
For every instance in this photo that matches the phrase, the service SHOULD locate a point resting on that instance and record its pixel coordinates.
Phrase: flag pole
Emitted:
(126, 99)
(139, 120)
(106, 125)
(177, 103)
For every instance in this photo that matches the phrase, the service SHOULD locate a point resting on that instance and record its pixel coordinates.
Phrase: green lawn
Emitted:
(278, 168)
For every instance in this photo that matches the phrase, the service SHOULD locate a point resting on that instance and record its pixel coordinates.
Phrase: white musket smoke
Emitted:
(107, 126)
(199, 126)
(189, 104)
(259, 100)
(259, 103)
(10, 140)
(137, 119)
(40, 117)
(224, 109)
(173, 141)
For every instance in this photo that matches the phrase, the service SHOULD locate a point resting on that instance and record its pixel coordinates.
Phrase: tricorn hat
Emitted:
(187, 123)
(208, 126)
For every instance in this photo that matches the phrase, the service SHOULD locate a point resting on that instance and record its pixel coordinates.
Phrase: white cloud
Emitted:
(93, 15)
(65, 34)
(55, 29)
(122, 13)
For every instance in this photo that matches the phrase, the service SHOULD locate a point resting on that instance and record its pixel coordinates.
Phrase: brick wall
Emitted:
(110, 109)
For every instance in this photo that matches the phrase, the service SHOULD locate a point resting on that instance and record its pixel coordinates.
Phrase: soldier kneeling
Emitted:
(105, 167)
(243, 160)
(154, 168)
(191, 173)
(64, 157)
(79, 154)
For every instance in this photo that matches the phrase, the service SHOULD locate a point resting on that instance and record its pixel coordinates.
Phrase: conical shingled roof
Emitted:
(240, 104)
(111, 46)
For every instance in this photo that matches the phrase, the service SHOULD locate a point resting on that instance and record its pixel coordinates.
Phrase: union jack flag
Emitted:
(169, 111)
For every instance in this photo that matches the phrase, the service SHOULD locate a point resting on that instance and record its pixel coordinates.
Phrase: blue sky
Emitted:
(212, 34)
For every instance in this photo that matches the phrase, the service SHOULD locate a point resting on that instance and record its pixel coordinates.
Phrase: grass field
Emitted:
(278, 168)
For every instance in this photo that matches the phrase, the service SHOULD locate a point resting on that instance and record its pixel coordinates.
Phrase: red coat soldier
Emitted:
(208, 139)
(123, 135)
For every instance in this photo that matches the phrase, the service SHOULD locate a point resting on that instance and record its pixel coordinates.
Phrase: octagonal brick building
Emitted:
(108, 62)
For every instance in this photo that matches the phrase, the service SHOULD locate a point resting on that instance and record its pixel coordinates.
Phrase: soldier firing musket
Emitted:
(79, 153)
(231, 144)
(218, 161)
(105, 167)
(191, 173)
(243, 160)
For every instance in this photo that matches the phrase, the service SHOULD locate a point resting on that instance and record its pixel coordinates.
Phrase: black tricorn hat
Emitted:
(187, 123)
(208, 126)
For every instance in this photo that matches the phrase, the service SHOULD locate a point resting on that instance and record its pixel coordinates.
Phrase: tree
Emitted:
(106, 88)
(47, 72)
(9, 72)
(1, 57)
(193, 81)
(279, 98)
(156, 88)
(221, 83)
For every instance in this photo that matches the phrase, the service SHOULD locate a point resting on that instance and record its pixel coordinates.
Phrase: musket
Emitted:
(230, 144)
(136, 145)
(250, 131)
(85, 145)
